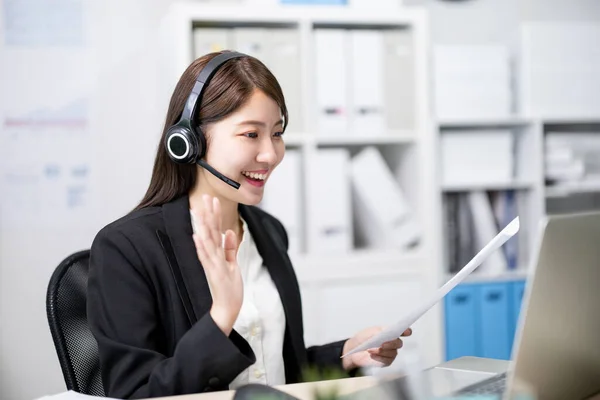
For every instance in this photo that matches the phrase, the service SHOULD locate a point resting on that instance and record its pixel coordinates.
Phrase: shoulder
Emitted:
(133, 226)
(123, 248)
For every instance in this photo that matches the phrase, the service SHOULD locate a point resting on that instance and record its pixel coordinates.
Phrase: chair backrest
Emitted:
(76, 347)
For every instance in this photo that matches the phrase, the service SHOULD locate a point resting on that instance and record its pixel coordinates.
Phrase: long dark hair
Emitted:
(229, 89)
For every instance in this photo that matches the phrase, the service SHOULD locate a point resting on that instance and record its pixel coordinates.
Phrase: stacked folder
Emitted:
(364, 81)
(353, 202)
(561, 69)
(283, 198)
(472, 219)
(467, 159)
(472, 81)
(277, 48)
(572, 158)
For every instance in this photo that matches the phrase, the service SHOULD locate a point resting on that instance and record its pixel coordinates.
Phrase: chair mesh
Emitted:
(76, 347)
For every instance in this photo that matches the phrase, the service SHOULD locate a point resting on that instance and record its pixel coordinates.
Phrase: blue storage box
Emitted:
(481, 319)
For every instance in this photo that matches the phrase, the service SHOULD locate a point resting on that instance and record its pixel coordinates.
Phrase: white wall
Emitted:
(121, 77)
(560, 10)
(471, 21)
(119, 74)
(497, 21)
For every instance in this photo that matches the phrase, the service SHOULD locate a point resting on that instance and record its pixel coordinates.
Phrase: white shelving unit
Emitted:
(547, 94)
(347, 291)
(527, 182)
(577, 195)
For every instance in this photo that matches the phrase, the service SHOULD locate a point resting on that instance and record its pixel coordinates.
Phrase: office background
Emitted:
(84, 89)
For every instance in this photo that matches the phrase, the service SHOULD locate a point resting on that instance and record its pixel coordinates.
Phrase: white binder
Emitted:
(330, 210)
(485, 230)
(209, 40)
(279, 50)
(383, 217)
(251, 41)
(283, 195)
(331, 75)
(399, 77)
(284, 61)
(366, 63)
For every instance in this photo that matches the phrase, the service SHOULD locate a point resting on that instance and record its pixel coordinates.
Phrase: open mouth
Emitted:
(254, 178)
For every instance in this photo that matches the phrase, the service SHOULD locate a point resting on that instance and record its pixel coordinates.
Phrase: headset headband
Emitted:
(202, 81)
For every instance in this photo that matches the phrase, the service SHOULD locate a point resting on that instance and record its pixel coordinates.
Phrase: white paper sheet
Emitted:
(35, 23)
(397, 329)
(72, 395)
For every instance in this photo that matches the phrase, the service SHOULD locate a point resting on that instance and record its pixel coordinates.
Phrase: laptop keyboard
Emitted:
(494, 385)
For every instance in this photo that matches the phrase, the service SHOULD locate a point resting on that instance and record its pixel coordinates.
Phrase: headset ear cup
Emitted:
(181, 144)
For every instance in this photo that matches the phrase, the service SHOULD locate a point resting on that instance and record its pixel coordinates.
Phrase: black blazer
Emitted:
(148, 303)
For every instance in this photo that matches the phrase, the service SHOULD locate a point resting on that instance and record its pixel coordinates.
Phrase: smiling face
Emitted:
(246, 147)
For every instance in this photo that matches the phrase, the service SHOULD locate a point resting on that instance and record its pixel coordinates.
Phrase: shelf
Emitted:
(522, 185)
(392, 138)
(301, 139)
(581, 120)
(363, 264)
(507, 122)
(481, 277)
(565, 190)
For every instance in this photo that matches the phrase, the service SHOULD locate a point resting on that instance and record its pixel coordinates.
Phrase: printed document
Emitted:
(397, 329)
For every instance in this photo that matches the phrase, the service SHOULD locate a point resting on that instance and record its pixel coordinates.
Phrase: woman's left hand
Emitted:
(382, 356)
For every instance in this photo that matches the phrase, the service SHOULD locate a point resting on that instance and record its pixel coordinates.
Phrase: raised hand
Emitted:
(219, 260)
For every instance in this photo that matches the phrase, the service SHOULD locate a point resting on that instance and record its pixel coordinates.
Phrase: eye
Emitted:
(278, 134)
(252, 135)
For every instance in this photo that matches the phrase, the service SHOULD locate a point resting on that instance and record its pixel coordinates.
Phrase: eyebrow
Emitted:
(259, 123)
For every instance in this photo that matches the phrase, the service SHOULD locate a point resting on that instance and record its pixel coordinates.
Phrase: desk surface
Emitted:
(301, 390)
(306, 391)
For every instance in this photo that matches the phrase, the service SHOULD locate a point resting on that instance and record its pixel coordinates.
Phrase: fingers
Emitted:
(230, 246)
(383, 352)
(387, 353)
(201, 250)
(210, 219)
(217, 214)
(204, 238)
(407, 332)
(383, 359)
(393, 344)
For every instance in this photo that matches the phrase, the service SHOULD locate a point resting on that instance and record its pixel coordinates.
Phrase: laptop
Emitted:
(556, 351)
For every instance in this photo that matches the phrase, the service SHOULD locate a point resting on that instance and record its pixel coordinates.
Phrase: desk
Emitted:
(447, 376)
(301, 390)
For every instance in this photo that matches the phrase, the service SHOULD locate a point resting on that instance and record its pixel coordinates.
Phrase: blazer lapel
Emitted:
(178, 224)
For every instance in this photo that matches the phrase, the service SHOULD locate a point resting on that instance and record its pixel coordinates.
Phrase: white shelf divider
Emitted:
(565, 190)
(516, 185)
(515, 121)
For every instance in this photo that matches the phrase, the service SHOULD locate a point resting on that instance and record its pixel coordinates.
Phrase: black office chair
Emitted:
(67, 316)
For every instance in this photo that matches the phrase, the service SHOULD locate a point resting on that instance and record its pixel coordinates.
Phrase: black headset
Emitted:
(185, 142)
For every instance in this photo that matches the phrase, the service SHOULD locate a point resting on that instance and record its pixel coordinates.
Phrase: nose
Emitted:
(268, 152)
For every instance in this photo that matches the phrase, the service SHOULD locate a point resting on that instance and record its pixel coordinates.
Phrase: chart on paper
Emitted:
(34, 23)
(45, 170)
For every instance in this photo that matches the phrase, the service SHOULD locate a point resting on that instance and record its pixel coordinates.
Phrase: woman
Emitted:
(193, 291)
